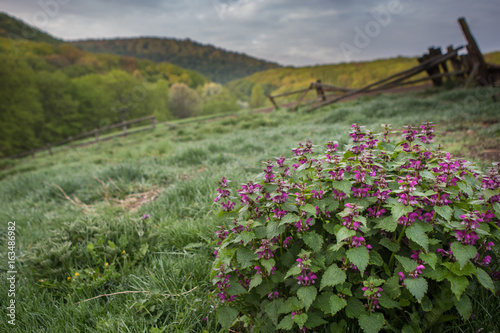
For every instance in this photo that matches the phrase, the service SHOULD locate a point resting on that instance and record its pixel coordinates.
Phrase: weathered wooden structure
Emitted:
(469, 68)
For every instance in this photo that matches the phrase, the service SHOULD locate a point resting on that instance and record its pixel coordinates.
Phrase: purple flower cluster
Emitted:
(306, 277)
(471, 221)
(352, 211)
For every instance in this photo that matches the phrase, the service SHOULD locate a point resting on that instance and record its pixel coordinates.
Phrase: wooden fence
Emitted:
(96, 134)
(469, 68)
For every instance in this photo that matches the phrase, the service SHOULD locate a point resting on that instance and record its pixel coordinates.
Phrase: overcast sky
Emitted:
(290, 32)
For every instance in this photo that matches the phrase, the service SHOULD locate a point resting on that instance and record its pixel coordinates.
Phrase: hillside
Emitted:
(350, 75)
(11, 27)
(50, 92)
(219, 65)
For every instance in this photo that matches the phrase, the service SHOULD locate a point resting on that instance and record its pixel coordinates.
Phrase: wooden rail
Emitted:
(93, 133)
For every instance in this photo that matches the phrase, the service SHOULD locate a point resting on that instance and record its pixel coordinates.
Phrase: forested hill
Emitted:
(16, 30)
(219, 65)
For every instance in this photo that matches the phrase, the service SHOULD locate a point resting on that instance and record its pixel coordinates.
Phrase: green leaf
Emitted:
(286, 323)
(310, 209)
(426, 304)
(386, 301)
(388, 223)
(336, 304)
(454, 267)
(245, 257)
(485, 279)
(464, 306)
(372, 323)
(314, 320)
(429, 258)
(444, 211)
(399, 210)
(343, 185)
(289, 219)
(392, 287)
(268, 264)
(307, 294)
(272, 309)
(417, 234)
(390, 245)
(376, 259)
(487, 194)
(408, 264)
(256, 280)
(313, 240)
(417, 287)
(226, 315)
(463, 252)
(354, 308)
(465, 188)
(274, 229)
(344, 233)
(236, 289)
(295, 270)
(300, 319)
(247, 236)
(323, 301)
(458, 284)
(359, 256)
(291, 304)
(333, 276)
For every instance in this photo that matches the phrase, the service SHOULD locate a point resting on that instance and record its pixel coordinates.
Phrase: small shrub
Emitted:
(385, 235)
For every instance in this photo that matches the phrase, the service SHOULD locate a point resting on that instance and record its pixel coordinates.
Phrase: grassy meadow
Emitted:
(80, 231)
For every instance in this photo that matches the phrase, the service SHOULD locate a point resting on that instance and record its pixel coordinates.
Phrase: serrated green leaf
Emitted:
(359, 256)
(429, 258)
(386, 301)
(291, 304)
(336, 304)
(332, 277)
(307, 294)
(392, 287)
(256, 280)
(458, 284)
(322, 301)
(463, 252)
(313, 240)
(375, 259)
(390, 245)
(417, 287)
(426, 304)
(272, 309)
(274, 228)
(454, 267)
(286, 323)
(354, 308)
(444, 211)
(236, 289)
(387, 223)
(314, 320)
(300, 319)
(438, 274)
(465, 188)
(496, 207)
(268, 264)
(417, 234)
(487, 194)
(247, 236)
(344, 233)
(294, 270)
(245, 256)
(408, 264)
(310, 209)
(485, 279)
(343, 185)
(289, 219)
(226, 315)
(371, 323)
(427, 174)
(399, 210)
(344, 288)
(464, 306)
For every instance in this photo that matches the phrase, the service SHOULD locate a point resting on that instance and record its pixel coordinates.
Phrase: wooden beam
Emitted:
(475, 54)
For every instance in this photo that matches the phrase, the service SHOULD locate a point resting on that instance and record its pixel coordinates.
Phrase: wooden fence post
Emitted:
(124, 128)
(273, 102)
(50, 149)
(319, 90)
(96, 135)
(153, 122)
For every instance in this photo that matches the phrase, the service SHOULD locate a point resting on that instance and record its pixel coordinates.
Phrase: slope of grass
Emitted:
(91, 240)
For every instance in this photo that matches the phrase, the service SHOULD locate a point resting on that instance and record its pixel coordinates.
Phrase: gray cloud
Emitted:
(291, 32)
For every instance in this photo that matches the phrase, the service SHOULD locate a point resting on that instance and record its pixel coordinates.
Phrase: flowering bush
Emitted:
(386, 235)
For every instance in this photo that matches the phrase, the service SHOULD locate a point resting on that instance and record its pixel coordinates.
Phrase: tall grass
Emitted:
(184, 164)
